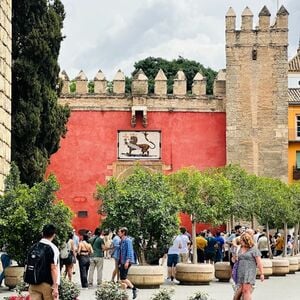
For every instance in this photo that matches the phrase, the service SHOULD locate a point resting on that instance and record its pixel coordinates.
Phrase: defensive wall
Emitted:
(243, 122)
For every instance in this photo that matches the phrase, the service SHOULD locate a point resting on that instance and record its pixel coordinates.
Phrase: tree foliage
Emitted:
(244, 193)
(151, 66)
(24, 211)
(276, 204)
(145, 203)
(207, 196)
(38, 122)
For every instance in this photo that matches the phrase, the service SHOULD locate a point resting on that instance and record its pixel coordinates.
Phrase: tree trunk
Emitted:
(141, 257)
(269, 245)
(194, 240)
(231, 221)
(285, 240)
(252, 222)
(295, 244)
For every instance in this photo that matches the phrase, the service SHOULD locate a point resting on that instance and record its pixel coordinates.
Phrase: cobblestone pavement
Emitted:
(277, 288)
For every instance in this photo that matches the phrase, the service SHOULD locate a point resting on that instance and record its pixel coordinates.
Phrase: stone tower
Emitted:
(257, 93)
(5, 89)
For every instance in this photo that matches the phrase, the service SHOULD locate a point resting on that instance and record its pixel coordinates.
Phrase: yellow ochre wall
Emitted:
(294, 145)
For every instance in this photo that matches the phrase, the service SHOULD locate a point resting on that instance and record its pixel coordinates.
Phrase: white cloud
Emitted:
(114, 34)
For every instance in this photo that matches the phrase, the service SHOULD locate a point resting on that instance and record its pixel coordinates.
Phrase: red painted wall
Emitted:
(187, 139)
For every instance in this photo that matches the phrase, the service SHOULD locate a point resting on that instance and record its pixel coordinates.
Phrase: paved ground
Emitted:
(276, 288)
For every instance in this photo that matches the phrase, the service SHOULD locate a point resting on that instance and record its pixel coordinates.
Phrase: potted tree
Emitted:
(145, 203)
(23, 212)
(206, 196)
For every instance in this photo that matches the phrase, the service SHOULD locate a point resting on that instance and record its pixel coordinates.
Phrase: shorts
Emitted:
(123, 271)
(172, 260)
(210, 256)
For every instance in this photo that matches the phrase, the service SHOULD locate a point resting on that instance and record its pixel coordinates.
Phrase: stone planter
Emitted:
(223, 271)
(13, 276)
(147, 277)
(293, 264)
(267, 267)
(298, 257)
(194, 273)
(280, 267)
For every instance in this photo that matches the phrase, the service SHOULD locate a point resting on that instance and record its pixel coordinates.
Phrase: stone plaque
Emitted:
(139, 144)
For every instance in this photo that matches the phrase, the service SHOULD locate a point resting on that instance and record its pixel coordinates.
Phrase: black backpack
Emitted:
(38, 268)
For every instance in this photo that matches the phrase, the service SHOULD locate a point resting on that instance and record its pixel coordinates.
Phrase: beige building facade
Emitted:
(257, 93)
(5, 89)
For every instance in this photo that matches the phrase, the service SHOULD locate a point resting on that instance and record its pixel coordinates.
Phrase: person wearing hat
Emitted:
(279, 244)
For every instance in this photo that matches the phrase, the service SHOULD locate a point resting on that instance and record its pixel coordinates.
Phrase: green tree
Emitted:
(205, 196)
(38, 122)
(24, 211)
(244, 195)
(295, 195)
(91, 87)
(151, 66)
(274, 205)
(145, 203)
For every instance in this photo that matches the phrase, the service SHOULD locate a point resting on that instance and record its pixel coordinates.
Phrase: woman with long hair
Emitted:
(249, 257)
(67, 255)
(84, 251)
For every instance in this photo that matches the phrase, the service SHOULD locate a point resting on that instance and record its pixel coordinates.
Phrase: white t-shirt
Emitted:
(184, 242)
(174, 249)
(56, 256)
(262, 244)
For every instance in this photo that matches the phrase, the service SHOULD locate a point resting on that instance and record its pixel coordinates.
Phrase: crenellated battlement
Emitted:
(139, 85)
(111, 95)
(263, 34)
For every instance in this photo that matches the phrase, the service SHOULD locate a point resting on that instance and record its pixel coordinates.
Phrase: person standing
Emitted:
(220, 247)
(248, 259)
(279, 244)
(84, 251)
(76, 244)
(185, 242)
(262, 245)
(173, 257)
(48, 289)
(67, 255)
(126, 258)
(201, 243)
(116, 241)
(210, 249)
(5, 262)
(97, 257)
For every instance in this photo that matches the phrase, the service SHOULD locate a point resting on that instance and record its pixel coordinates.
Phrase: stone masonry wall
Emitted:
(256, 93)
(5, 89)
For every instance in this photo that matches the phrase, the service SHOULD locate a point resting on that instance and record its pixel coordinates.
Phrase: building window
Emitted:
(298, 127)
(297, 159)
(82, 214)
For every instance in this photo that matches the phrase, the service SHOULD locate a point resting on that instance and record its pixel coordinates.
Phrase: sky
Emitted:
(113, 34)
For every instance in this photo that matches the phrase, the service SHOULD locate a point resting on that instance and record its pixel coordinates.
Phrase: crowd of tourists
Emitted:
(90, 253)
(242, 247)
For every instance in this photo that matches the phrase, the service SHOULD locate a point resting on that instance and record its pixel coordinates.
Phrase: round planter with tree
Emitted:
(145, 203)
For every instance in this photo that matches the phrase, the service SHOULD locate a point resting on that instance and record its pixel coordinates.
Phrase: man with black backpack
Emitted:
(42, 270)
